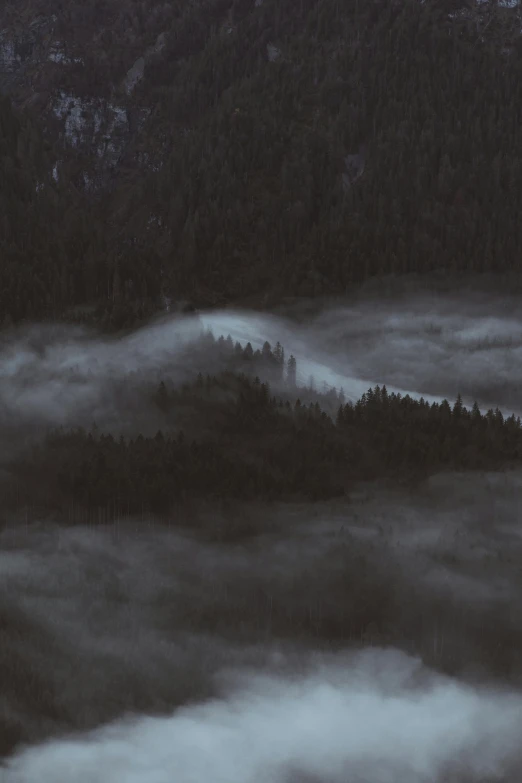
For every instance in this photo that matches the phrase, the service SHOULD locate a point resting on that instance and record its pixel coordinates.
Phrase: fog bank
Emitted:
(431, 345)
(376, 715)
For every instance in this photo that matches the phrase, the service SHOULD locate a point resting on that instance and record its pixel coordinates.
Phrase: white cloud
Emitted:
(377, 716)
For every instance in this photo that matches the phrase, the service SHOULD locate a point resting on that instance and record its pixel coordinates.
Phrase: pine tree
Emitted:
(476, 415)
(279, 356)
(291, 372)
(267, 350)
(458, 407)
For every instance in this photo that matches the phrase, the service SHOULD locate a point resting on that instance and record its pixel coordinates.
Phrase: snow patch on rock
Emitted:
(57, 55)
(273, 52)
(134, 75)
(8, 57)
(93, 122)
(136, 72)
(354, 166)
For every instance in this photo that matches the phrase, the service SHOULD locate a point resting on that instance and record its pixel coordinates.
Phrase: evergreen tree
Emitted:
(458, 407)
(291, 372)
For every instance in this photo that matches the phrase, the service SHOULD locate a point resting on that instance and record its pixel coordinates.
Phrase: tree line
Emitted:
(228, 435)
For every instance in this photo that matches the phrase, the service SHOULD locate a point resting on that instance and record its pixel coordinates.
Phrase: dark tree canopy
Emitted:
(298, 148)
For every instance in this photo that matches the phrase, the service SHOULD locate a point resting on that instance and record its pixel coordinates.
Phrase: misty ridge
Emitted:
(210, 570)
(435, 345)
(116, 425)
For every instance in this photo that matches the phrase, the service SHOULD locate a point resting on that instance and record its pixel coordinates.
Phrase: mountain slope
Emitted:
(35, 256)
(275, 147)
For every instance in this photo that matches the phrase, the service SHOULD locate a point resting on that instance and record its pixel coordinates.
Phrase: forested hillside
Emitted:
(47, 241)
(290, 148)
(228, 436)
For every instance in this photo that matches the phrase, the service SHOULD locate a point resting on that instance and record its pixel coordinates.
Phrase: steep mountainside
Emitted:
(78, 66)
(228, 148)
(44, 236)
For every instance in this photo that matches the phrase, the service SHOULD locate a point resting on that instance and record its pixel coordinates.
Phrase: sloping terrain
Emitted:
(43, 232)
(233, 149)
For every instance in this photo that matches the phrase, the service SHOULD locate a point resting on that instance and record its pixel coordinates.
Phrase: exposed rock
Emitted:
(273, 52)
(136, 73)
(50, 73)
(354, 168)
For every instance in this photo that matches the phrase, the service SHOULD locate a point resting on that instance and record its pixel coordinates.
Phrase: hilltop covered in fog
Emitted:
(95, 425)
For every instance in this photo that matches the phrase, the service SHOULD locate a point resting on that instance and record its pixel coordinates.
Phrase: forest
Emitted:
(217, 561)
(228, 436)
(375, 139)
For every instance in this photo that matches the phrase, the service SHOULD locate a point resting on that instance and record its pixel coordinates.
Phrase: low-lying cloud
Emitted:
(96, 623)
(425, 344)
(375, 716)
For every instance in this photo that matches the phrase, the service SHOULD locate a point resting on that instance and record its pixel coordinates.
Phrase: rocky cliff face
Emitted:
(83, 68)
(80, 70)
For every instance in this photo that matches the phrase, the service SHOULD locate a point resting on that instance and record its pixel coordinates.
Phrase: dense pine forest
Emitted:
(220, 559)
(229, 436)
(293, 148)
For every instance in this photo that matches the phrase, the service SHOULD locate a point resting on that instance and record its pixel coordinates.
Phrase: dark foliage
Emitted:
(240, 441)
(294, 148)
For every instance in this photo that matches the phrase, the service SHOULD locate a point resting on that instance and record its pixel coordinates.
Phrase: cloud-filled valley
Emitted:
(372, 638)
